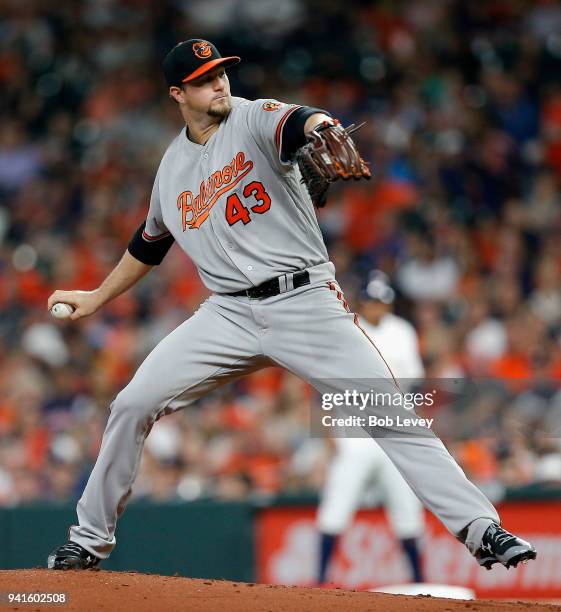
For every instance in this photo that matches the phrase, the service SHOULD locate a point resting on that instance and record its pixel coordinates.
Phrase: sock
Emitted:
(327, 546)
(411, 549)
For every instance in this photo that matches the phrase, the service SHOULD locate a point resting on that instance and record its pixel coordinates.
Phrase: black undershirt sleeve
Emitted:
(293, 136)
(149, 253)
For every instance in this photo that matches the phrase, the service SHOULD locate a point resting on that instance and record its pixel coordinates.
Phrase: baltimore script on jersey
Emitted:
(195, 209)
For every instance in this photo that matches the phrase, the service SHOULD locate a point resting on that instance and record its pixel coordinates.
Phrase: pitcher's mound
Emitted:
(102, 590)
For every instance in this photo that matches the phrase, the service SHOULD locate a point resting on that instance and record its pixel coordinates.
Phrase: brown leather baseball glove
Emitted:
(329, 155)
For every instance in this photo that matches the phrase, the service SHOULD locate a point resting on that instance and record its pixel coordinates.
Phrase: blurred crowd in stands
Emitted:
(462, 103)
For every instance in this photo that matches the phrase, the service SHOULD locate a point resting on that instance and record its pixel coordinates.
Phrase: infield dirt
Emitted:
(124, 591)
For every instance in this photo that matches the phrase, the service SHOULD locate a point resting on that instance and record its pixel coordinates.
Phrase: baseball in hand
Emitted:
(61, 310)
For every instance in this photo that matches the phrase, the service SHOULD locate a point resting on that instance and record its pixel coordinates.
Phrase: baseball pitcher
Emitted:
(229, 191)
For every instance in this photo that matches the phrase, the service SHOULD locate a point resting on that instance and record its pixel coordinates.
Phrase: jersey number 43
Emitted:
(235, 209)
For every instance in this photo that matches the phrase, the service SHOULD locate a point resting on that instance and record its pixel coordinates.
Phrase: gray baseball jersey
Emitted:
(233, 205)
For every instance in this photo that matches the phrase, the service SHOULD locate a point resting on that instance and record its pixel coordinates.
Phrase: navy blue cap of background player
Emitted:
(378, 288)
(191, 59)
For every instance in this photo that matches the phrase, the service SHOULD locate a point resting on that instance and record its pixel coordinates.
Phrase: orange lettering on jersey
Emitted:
(185, 205)
(195, 209)
(217, 179)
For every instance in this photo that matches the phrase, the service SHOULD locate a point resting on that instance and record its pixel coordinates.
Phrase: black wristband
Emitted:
(150, 253)
(293, 136)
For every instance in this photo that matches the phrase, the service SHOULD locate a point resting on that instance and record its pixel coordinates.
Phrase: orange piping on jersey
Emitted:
(280, 125)
(379, 352)
(152, 238)
(341, 298)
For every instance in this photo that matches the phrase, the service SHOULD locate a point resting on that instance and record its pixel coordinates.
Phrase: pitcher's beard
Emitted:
(221, 109)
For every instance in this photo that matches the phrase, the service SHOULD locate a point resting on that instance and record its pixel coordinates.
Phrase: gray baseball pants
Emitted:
(310, 332)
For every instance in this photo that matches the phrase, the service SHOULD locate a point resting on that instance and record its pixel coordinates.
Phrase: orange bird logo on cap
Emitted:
(202, 49)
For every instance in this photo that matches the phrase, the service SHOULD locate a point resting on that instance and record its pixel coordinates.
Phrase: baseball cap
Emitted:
(378, 288)
(191, 59)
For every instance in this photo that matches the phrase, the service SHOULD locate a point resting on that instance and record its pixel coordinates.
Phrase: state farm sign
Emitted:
(368, 555)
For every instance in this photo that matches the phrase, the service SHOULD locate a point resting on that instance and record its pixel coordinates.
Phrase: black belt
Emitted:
(280, 284)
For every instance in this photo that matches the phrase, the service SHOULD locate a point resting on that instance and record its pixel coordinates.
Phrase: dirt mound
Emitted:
(123, 591)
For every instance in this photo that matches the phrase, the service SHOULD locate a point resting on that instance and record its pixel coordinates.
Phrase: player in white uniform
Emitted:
(360, 462)
(229, 194)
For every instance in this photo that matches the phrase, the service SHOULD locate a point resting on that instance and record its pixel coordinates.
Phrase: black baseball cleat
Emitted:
(71, 556)
(500, 546)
